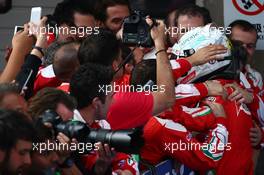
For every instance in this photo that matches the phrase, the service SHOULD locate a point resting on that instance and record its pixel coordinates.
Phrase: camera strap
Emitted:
(126, 60)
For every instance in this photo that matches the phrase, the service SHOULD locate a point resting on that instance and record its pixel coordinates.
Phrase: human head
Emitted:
(74, 15)
(63, 15)
(112, 13)
(83, 13)
(43, 161)
(143, 72)
(103, 49)
(246, 33)
(20, 132)
(86, 86)
(53, 99)
(50, 52)
(10, 98)
(66, 60)
(191, 16)
(171, 22)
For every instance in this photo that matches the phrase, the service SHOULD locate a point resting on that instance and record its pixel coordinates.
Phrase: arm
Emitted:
(22, 45)
(162, 99)
(190, 94)
(195, 119)
(33, 61)
(201, 156)
(202, 56)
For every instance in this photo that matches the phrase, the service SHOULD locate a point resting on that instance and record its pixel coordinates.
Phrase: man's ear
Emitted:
(115, 65)
(96, 103)
(129, 68)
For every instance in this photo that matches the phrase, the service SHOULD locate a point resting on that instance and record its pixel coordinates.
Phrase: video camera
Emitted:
(127, 141)
(136, 31)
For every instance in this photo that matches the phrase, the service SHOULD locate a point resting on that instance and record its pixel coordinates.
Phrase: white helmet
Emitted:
(196, 39)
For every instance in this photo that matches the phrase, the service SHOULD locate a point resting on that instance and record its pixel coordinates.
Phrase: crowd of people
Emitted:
(73, 77)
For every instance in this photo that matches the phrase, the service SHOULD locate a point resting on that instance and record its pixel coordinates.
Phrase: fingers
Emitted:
(236, 95)
(101, 151)
(63, 138)
(217, 108)
(43, 21)
(255, 135)
(214, 51)
(49, 125)
(149, 21)
(104, 151)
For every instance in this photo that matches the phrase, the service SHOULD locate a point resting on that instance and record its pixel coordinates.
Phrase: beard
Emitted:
(5, 167)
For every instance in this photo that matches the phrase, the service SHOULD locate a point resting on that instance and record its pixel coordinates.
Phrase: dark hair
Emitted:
(50, 52)
(102, 48)
(8, 88)
(195, 10)
(126, 52)
(14, 126)
(244, 25)
(48, 98)
(102, 5)
(86, 82)
(239, 52)
(85, 7)
(143, 72)
(63, 13)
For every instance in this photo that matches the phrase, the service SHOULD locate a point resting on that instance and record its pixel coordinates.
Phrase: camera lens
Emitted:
(134, 18)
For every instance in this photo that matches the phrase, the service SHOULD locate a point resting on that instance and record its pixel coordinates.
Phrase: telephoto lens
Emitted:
(127, 141)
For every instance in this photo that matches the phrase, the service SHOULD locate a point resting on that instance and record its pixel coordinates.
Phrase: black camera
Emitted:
(127, 141)
(136, 31)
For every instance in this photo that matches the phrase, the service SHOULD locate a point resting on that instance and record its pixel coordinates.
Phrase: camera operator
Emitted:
(52, 99)
(111, 13)
(19, 134)
(45, 160)
(92, 108)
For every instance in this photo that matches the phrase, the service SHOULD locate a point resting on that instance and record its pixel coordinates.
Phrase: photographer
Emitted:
(45, 160)
(111, 13)
(52, 99)
(92, 108)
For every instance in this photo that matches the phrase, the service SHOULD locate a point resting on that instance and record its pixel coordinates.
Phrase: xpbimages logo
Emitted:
(106, 89)
(58, 146)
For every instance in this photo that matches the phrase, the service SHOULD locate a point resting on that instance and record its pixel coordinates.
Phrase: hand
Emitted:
(104, 160)
(39, 32)
(255, 135)
(240, 95)
(157, 33)
(215, 89)
(123, 172)
(22, 42)
(62, 138)
(207, 54)
(216, 108)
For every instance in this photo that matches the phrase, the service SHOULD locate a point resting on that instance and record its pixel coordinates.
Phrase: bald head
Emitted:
(66, 61)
